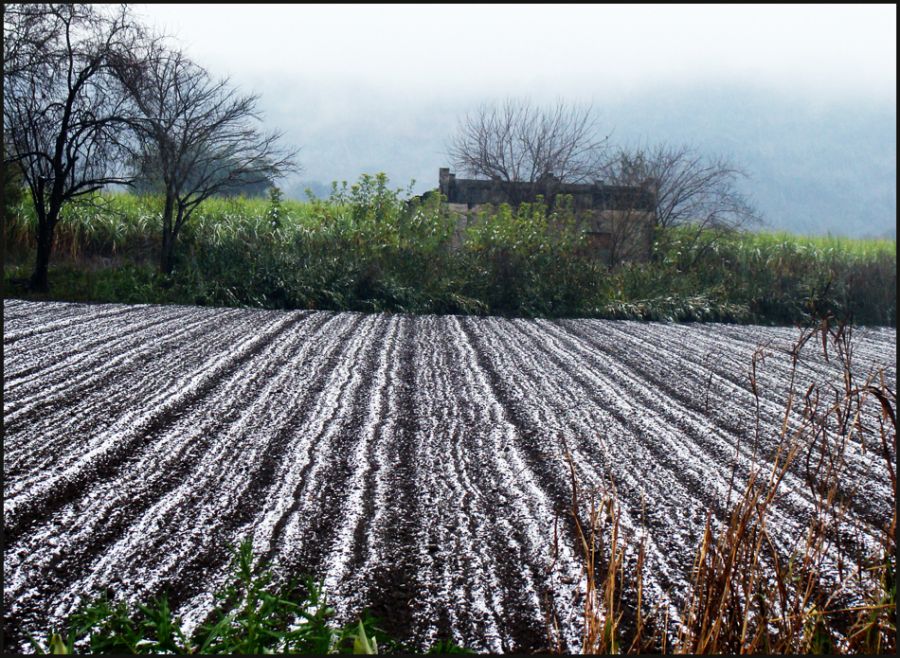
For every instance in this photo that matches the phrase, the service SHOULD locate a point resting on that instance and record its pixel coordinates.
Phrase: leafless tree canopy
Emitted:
(197, 136)
(691, 189)
(63, 119)
(516, 141)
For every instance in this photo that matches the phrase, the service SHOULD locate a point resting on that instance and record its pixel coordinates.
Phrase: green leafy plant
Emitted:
(253, 615)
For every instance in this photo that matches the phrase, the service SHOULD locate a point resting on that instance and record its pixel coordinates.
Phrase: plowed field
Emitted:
(414, 463)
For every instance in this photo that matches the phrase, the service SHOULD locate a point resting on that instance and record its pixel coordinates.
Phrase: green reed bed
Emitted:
(366, 248)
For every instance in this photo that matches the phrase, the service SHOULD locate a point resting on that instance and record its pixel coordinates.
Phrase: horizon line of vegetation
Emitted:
(368, 248)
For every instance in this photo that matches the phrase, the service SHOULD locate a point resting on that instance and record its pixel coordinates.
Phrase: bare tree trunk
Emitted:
(42, 262)
(46, 223)
(166, 261)
(168, 238)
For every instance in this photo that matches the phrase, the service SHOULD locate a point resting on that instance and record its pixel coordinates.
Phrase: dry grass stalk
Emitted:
(746, 595)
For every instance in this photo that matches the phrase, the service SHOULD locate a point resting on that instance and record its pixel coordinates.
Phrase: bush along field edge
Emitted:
(367, 248)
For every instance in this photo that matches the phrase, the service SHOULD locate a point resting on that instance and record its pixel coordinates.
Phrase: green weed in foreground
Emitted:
(253, 616)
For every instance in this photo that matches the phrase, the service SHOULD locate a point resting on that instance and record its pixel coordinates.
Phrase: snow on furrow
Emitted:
(414, 464)
(866, 355)
(874, 347)
(133, 423)
(726, 395)
(729, 402)
(83, 362)
(45, 311)
(545, 423)
(289, 499)
(477, 505)
(320, 485)
(71, 316)
(90, 406)
(736, 401)
(723, 348)
(794, 507)
(431, 493)
(790, 525)
(40, 358)
(442, 534)
(93, 369)
(218, 471)
(182, 444)
(386, 567)
(506, 469)
(350, 588)
(559, 406)
(83, 365)
(392, 530)
(296, 477)
(24, 317)
(466, 576)
(227, 483)
(133, 376)
(641, 383)
(13, 309)
(774, 373)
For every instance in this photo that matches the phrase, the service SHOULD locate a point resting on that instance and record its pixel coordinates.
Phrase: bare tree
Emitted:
(516, 141)
(691, 190)
(197, 136)
(64, 122)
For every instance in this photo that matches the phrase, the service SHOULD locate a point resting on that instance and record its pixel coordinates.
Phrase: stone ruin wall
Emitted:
(618, 220)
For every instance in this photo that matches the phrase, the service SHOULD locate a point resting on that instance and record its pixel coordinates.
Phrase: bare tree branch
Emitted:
(64, 120)
(197, 137)
(516, 141)
(692, 190)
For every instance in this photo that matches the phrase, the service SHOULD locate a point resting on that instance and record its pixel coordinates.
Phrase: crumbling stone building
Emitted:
(618, 220)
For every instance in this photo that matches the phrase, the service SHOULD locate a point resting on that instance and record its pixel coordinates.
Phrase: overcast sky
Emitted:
(571, 50)
(803, 97)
